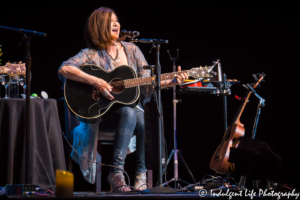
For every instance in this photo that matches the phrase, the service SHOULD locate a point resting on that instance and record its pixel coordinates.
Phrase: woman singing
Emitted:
(108, 51)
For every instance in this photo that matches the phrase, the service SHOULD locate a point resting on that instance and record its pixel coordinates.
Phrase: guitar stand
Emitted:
(241, 185)
(226, 177)
(258, 112)
(175, 151)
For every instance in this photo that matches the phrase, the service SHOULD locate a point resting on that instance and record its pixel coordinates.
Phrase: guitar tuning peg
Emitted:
(255, 77)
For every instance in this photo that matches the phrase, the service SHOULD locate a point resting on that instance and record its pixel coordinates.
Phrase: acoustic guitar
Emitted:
(219, 161)
(91, 107)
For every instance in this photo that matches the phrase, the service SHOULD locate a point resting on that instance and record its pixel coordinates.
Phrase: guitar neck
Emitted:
(242, 107)
(148, 80)
(239, 112)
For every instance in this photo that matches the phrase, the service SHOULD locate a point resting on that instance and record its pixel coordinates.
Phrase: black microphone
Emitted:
(130, 34)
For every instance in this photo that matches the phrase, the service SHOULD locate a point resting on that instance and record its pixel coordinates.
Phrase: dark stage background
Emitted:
(248, 37)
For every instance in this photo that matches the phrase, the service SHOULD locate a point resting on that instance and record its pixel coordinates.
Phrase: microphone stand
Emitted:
(176, 152)
(156, 44)
(27, 36)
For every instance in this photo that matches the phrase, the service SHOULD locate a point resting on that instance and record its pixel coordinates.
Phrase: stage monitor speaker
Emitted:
(255, 158)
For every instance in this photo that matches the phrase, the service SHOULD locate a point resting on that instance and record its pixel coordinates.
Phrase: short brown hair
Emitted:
(97, 32)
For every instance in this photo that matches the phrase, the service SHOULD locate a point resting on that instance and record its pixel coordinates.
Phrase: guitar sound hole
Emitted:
(118, 85)
(96, 95)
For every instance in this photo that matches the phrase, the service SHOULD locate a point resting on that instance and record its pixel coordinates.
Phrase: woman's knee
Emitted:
(127, 114)
(140, 125)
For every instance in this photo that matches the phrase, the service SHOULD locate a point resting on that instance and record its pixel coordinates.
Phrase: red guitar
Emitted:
(219, 161)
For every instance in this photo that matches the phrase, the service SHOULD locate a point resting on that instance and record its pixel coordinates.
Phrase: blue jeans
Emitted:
(126, 122)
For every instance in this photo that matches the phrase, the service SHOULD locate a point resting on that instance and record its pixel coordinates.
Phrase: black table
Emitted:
(47, 152)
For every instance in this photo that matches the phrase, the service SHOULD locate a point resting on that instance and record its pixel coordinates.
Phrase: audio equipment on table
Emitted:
(192, 87)
(218, 85)
(205, 85)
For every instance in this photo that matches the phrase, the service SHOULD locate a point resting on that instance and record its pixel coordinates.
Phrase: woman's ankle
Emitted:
(117, 182)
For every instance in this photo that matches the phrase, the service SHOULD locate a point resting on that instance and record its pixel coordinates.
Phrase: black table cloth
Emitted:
(47, 152)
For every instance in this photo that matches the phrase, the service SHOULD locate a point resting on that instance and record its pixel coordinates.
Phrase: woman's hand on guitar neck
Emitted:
(179, 79)
(102, 87)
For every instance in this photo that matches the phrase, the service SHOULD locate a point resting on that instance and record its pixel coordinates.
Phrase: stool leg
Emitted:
(98, 174)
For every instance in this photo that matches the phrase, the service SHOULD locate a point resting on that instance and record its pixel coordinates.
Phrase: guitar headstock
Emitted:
(258, 78)
(12, 69)
(200, 72)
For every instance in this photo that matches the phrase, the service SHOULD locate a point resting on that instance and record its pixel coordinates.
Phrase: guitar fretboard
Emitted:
(163, 77)
(242, 106)
(241, 109)
(147, 80)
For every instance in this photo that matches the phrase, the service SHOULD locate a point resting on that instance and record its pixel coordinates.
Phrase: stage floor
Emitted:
(107, 195)
(176, 195)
